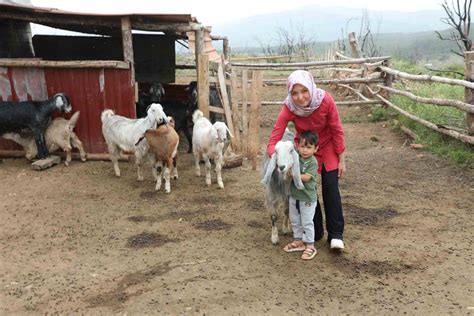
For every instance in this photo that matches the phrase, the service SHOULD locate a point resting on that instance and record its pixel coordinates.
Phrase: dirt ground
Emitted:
(79, 240)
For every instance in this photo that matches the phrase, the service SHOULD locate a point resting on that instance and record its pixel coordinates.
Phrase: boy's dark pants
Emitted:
(332, 208)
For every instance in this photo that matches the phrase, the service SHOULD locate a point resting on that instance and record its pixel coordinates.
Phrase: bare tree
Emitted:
(366, 37)
(459, 18)
(289, 42)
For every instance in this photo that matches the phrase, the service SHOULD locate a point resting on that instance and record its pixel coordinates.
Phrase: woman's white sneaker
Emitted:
(337, 244)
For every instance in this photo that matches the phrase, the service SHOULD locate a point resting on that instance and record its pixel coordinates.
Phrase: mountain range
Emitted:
(323, 24)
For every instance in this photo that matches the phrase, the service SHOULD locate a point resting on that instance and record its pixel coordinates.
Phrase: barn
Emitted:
(114, 57)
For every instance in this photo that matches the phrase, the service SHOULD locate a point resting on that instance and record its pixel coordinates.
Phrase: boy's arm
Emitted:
(306, 177)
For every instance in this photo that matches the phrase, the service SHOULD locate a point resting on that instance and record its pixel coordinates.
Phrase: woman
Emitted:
(310, 108)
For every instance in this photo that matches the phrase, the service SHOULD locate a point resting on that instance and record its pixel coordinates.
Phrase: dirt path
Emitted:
(77, 239)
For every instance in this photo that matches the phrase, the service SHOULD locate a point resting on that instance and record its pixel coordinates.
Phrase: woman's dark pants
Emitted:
(332, 208)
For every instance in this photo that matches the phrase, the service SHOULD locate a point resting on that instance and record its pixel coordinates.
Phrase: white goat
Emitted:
(277, 182)
(59, 134)
(123, 134)
(208, 140)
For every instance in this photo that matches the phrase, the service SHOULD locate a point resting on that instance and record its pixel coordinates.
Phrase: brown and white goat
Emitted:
(59, 134)
(163, 142)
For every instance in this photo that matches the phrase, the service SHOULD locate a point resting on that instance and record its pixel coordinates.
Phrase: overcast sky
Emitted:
(211, 12)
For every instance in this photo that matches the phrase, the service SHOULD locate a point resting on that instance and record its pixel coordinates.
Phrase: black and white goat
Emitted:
(35, 116)
(123, 134)
(277, 182)
(208, 141)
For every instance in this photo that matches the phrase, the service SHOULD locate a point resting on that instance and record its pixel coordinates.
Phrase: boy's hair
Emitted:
(309, 137)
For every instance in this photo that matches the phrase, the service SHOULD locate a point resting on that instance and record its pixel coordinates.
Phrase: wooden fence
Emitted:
(370, 80)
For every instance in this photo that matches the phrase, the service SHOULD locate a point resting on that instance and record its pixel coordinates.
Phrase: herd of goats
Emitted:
(153, 136)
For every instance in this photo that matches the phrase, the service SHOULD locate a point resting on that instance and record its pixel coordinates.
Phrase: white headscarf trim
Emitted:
(305, 79)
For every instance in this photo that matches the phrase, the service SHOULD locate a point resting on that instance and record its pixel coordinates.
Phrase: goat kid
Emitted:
(59, 134)
(163, 142)
(123, 134)
(208, 141)
(35, 116)
(277, 182)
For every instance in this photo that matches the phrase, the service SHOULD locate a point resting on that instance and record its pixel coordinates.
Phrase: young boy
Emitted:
(303, 202)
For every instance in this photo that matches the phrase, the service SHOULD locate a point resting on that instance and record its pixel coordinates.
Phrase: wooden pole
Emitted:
(408, 76)
(443, 102)
(226, 106)
(245, 121)
(469, 92)
(235, 110)
(127, 44)
(203, 84)
(254, 126)
(226, 49)
(356, 53)
(462, 137)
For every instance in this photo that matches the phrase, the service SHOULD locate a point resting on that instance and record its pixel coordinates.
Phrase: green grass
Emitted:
(435, 142)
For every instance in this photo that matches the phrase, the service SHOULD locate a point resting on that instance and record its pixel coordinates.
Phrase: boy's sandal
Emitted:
(294, 246)
(309, 253)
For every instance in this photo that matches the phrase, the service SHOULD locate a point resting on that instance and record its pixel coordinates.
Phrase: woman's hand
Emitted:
(341, 168)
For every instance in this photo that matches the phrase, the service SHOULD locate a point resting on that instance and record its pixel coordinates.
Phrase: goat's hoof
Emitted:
(221, 185)
(140, 179)
(275, 240)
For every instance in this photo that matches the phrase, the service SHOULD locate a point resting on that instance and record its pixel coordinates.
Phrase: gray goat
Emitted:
(277, 182)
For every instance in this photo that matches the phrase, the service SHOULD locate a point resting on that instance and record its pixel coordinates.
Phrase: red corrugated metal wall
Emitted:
(91, 91)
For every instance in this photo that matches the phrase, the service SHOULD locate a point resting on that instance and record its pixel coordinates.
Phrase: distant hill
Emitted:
(325, 24)
(410, 46)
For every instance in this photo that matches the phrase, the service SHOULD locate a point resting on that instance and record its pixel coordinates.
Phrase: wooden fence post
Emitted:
(356, 53)
(235, 109)
(245, 120)
(468, 92)
(254, 126)
(225, 104)
(388, 79)
(203, 84)
(127, 44)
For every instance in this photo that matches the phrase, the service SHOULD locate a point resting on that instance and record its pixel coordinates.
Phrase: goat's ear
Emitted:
(229, 132)
(296, 171)
(270, 168)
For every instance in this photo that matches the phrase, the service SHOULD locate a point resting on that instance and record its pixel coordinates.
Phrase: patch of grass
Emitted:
(433, 141)
(380, 114)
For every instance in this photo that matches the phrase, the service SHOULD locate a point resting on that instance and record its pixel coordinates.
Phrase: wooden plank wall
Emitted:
(91, 91)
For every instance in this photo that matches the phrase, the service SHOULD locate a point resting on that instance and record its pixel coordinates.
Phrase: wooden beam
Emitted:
(338, 103)
(254, 126)
(356, 53)
(462, 137)
(203, 83)
(35, 62)
(245, 121)
(235, 110)
(216, 109)
(313, 63)
(443, 102)
(469, 92)
(282, 82)
(127, 44)
(226, 106)
(408, 76)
